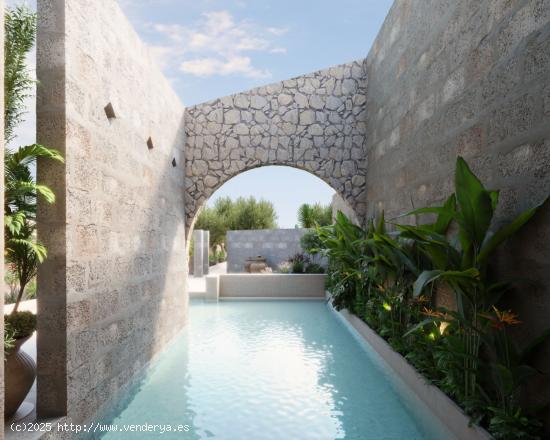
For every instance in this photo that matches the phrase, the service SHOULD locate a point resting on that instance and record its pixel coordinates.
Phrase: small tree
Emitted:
(241, 214)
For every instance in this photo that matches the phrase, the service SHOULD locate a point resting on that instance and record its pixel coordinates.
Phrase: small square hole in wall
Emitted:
(150, 144)
(174, 163)
(110, 111)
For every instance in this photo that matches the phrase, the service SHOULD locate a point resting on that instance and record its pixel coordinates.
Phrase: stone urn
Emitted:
(20, 372)
(255, 264)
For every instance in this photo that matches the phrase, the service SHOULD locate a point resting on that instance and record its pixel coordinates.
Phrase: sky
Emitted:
(212, 48)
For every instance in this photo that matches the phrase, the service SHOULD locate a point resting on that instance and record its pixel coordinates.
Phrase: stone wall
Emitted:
(339, 204)
(276, 245)
(2, 192)
(112, 292)
(314, 122)
(469, 78)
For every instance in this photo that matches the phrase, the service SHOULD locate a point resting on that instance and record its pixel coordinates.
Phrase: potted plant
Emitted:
(19, 367)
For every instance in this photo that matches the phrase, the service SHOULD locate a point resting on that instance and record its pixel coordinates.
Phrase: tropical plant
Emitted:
(311, 215)
(11, 281)
(389, 280)
(463, 264)
(20, 35)
(310, 243)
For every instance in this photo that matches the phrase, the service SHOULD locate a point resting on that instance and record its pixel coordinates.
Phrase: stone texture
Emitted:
(112, 292)
(444, 78)
(276, 245)
(2, 192)
(476, 83)
(316, 122)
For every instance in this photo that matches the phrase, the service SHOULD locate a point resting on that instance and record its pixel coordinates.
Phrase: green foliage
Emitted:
(22, 324)
(9, 340)
(298, 263)
(388, 279)
(216, 256)
(310, 243)
(241, 214)
(301, 263)
(20, 35)
(314, 268)
(311, 215)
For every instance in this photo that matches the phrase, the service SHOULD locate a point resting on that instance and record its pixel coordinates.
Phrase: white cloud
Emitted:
(233, 65)
(217, 45)
(277, 31)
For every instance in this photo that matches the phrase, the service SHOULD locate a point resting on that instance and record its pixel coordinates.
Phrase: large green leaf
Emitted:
(505, 232)
(424, 279)
(421, 324)
(451, 276)
(446, 216)
(475, 202)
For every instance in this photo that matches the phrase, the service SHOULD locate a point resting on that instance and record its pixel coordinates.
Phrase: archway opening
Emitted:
(261, 212)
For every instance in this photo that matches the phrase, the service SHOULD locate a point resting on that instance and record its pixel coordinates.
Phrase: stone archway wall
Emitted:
(315, 122)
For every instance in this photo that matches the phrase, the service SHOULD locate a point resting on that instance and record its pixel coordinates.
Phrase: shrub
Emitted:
(22, 324)
(9, 340)
(298, 262)
(314, 268)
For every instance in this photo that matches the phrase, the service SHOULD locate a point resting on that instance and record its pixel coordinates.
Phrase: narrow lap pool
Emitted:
(273, 370)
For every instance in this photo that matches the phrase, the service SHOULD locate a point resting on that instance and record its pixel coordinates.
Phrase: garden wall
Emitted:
(469, 78)
(276, 245)
(271, 285)
(112, 292)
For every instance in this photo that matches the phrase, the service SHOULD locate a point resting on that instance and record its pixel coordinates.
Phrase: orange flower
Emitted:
(436, 314)
(432, 313)
(422, 299)
(501, 318)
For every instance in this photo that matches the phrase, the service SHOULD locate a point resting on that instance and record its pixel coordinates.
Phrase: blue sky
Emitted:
(213, 48)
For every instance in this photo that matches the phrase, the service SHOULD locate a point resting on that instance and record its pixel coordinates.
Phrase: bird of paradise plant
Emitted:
(462, 260)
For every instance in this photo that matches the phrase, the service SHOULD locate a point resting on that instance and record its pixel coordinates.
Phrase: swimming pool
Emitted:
(273, 370)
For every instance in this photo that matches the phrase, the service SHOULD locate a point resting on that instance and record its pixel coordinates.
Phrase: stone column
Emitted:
(206, 252)
(198, 238)
(2, 191)
(51, 123)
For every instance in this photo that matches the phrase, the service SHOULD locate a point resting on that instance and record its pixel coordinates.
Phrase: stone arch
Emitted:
(211, 191)
(315, 122)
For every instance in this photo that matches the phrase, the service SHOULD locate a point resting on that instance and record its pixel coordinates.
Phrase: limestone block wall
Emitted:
(112, 292)
(315, 122)
(276, 245)
(470, 78)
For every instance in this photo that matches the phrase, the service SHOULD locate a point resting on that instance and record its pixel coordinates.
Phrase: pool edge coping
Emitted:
(441, 405)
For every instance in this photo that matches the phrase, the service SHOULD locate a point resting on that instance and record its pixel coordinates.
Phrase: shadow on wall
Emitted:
(112, 294)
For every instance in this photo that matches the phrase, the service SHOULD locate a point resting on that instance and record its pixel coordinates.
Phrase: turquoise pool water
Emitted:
(273, 370)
